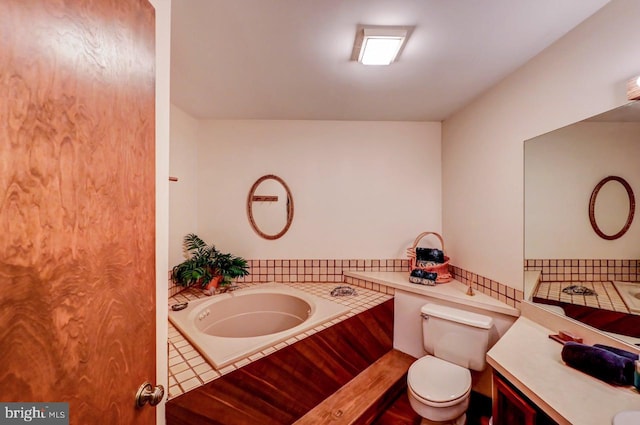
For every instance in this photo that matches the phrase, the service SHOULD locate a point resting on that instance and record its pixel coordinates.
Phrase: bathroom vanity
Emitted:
(530, 384)
(511, 407)
(527, 360)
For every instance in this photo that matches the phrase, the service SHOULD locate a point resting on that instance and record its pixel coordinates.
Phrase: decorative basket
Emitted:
(442, 269)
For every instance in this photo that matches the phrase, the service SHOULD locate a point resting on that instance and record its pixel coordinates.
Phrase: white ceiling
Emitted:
(289, 59)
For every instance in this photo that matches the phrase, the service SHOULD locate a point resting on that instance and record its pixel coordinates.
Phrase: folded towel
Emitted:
(423, 277)
(430, 255)
(599, 363)
(619, 351)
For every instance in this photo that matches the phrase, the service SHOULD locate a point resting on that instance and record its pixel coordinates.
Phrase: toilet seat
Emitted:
(438, 383)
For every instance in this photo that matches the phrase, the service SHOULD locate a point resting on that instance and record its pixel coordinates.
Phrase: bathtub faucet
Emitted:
(229, 288)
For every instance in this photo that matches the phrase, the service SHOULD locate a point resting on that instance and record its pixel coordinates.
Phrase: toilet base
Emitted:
(462, 420)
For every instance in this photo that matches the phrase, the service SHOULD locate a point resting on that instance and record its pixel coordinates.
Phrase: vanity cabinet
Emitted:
(511, 407)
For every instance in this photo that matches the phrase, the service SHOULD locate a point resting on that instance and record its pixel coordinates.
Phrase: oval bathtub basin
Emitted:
(228, 327)
(254, 315)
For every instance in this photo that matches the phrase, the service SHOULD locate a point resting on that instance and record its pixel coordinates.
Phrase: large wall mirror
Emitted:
(270, 207)
(583, 275)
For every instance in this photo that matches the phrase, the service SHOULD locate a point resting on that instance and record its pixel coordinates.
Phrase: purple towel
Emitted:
(618, 351)
(599, 363)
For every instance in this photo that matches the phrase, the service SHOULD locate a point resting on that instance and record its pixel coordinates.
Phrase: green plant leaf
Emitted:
(204, 262)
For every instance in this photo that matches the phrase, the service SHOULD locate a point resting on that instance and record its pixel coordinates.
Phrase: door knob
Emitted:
(149, 394)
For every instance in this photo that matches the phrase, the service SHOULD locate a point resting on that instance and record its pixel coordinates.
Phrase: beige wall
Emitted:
(581, 75)
(561, 170)
(163, 116)
(183, 196)
(360, 189)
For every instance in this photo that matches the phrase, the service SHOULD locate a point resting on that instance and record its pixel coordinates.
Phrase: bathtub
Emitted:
(228, 327)
(630, 293)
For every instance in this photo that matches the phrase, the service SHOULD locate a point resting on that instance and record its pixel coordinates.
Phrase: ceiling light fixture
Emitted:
(377, 45)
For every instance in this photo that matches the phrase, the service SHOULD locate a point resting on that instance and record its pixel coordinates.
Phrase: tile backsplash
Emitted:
(494, 289)
(313, 270)
(316, 270)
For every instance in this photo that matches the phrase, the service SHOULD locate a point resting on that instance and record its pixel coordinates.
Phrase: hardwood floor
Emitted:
(401, 413)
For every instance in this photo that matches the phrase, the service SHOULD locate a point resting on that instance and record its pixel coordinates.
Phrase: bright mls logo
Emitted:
(35, 413)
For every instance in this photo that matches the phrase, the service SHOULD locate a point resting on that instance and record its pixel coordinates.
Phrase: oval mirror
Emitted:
(611, 207)
(270, 207)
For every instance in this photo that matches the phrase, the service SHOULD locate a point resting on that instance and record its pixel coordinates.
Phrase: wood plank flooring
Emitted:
(280, 388)
(401, 413)
(365, 396)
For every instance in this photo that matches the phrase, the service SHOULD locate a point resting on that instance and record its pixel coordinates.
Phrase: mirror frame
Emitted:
(251, 200)
(592, 207)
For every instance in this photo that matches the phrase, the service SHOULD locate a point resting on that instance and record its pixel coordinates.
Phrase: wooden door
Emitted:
(77, 205)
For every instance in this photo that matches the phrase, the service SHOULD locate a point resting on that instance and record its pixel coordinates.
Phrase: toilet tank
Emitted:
(455, 335)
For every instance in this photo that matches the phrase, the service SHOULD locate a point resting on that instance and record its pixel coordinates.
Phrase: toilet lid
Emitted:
(437, 380)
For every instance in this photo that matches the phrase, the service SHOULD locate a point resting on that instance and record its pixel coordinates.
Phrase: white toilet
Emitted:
(439, 384)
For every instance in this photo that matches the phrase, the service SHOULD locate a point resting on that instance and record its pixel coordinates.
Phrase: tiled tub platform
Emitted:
(189, 370)
(607, 297)
(283, 385)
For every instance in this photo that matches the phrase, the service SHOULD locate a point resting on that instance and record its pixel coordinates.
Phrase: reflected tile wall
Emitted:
(576, 270)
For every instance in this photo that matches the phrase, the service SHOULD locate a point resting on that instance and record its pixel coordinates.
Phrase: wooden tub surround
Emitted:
(283, 386)
(607, 311)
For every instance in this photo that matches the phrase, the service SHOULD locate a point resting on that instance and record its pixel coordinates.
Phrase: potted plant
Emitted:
(206, 266)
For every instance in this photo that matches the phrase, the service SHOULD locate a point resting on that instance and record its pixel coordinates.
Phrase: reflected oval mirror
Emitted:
(270, 207)
(611, 207)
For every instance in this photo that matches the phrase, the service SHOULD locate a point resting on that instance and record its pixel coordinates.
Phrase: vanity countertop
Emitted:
(531, 361)
(453, 291)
